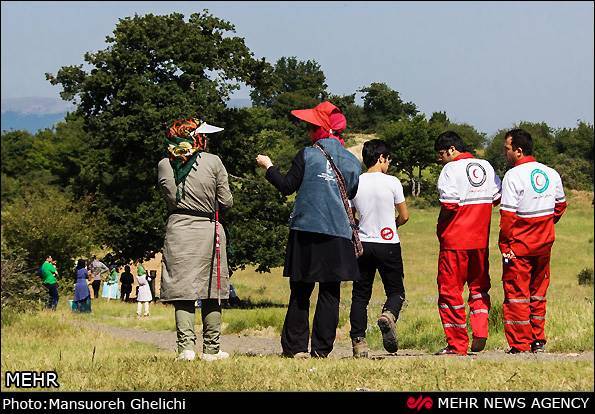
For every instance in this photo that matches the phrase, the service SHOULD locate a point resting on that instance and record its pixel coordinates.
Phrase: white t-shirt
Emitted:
(375, 201)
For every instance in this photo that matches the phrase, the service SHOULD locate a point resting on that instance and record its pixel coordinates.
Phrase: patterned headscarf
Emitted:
(184, 145)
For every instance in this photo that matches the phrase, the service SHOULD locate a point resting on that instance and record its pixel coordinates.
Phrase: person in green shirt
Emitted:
(48, 274)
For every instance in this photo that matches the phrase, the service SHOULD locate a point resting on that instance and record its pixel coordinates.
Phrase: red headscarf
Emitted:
(329, 119)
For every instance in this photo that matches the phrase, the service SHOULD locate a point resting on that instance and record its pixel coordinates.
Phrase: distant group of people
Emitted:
(344, 227)
(91, 274)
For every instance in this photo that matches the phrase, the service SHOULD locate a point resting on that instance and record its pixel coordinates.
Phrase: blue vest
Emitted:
(318, 206)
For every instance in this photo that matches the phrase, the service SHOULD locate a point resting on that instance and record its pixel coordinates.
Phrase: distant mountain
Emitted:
(36, 113)
(36, 105)
(29, 122)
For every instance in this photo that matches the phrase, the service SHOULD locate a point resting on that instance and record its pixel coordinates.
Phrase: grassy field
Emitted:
(49, 341)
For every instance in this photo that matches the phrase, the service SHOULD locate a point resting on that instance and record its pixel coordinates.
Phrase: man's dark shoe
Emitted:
(478, 344)
(447, 350)
(515, 351)
(538, 346)
(386, 323)
(360, 347)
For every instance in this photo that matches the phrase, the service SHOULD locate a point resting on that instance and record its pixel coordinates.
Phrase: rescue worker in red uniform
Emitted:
(532, 202)
(468, 188)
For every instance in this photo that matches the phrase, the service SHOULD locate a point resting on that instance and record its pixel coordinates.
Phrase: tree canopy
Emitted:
(156, 69)
(383, 104)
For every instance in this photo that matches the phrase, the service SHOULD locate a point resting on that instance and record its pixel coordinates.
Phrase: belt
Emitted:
(210, 216)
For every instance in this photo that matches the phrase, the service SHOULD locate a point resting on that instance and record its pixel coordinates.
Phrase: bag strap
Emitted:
(357, 244)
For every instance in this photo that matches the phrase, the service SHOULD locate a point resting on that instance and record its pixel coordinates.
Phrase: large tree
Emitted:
(473, 139)
(291, 76)
(412, 147)
(383, 104)
(157, 69)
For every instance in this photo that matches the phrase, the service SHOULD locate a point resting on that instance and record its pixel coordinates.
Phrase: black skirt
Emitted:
(315, 257)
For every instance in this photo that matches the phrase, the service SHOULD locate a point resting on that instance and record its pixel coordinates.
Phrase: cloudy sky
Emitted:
(489, 64)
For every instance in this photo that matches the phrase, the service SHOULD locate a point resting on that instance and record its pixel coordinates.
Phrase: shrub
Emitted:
(38, 224)
(585, 276)
(19, 286)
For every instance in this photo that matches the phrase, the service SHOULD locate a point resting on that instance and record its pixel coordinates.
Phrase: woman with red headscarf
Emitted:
(320, 248)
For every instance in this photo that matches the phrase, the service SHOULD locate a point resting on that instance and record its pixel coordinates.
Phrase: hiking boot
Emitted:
(360, 347)
(186, 355)
(302, 355)
(214, 357)
(386, 323)
(538, 346)
(514, 351)
(448, 350)
(478, 344)
(299, 355)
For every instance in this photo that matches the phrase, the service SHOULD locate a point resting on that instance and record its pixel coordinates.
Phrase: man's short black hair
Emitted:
(521, 139)
(449, 139)
(372, 150)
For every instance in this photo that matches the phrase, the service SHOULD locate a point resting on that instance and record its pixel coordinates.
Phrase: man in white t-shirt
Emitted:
(377, 197)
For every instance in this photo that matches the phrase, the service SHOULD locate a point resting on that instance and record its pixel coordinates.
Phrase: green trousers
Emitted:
(211, 325)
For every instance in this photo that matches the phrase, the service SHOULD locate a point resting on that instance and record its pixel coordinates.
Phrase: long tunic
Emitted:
(189, 265)
(81, 288)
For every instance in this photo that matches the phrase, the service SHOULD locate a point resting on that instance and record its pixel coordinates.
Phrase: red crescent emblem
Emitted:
(474, 171)
(387, 233)
(537, 180)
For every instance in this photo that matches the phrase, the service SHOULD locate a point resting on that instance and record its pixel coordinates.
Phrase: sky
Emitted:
(489, 64)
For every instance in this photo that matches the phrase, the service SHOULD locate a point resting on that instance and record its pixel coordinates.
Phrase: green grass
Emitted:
(48, 341)
(90, 360)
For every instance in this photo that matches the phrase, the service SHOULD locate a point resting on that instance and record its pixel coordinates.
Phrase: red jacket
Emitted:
(533, 201)
(468, 188)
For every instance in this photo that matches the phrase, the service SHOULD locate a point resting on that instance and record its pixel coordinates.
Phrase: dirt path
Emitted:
(261, 346)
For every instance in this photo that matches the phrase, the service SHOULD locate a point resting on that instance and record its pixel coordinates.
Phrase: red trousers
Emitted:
(525, 281)
(455, 268)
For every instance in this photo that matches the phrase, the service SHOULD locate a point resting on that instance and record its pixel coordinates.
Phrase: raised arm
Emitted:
(289, 183)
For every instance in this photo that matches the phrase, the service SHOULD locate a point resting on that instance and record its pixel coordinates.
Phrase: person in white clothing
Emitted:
(144, 295)
(378, 195)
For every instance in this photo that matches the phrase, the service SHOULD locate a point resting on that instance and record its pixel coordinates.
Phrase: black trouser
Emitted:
(125, 292)
(386, 258)
(95, 285)
(52, 302)
(296, 329)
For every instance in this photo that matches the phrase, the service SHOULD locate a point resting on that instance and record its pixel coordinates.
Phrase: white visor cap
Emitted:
(205, 128)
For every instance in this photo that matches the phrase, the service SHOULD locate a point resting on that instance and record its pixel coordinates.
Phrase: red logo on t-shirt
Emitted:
(387, 233)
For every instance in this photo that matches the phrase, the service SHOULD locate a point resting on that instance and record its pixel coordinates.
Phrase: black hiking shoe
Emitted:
(478, 344)
(538, 347)
(515, 351)
(386, 323)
